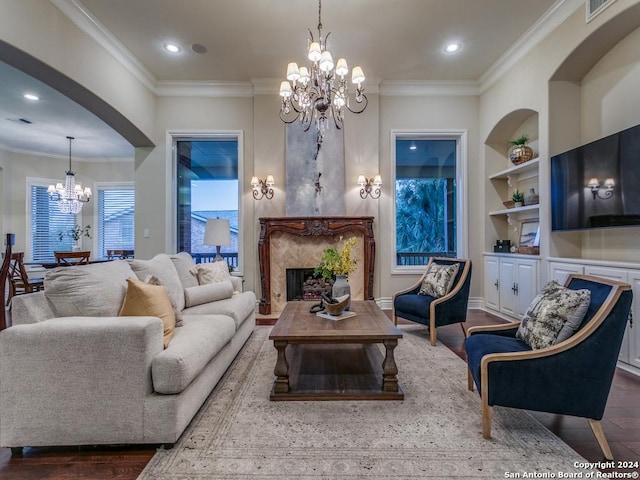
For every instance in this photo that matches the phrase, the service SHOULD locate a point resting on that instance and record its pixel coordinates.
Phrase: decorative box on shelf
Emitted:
(526, 250)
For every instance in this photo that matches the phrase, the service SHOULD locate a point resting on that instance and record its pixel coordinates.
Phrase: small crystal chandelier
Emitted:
(71, 197)
(315, 93)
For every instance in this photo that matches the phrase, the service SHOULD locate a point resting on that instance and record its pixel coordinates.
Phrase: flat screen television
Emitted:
(597, 185)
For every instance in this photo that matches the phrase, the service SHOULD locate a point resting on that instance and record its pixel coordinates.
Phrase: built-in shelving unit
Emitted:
(503, 178)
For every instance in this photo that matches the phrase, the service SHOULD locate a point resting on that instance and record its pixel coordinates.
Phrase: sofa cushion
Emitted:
(239, 307)
(438, 280)
(212, 272)
(550, 311)
(211, 292)
(153, 280)
(162, 267)
(95, 290)
(146, 300)
(191, 349)
(184, 264)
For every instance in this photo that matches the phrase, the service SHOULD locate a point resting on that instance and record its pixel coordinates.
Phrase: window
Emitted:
(207, 187)
(427, 200)
(46, 222)
(115, 218)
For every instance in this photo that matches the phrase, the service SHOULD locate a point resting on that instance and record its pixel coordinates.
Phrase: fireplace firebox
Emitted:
(302, 285)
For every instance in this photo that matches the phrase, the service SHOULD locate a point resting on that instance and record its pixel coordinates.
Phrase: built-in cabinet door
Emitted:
(526, 285)
(632, 335)
(491, 283)
(508, 285)
(560, 271)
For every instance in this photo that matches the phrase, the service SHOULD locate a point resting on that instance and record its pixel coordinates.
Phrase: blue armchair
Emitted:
(572, 377)
(436, 312)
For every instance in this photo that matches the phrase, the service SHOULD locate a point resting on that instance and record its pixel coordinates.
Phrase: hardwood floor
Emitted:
(621, 424)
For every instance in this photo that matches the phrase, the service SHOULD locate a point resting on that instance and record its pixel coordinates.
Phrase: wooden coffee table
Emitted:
(321, 359)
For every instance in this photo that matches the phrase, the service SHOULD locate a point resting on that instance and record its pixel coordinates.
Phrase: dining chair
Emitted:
(19, 281)
(72, 258)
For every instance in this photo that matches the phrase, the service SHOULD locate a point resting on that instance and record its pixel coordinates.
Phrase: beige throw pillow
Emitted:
(438, 280)
(153, 280)
(213, 272)
(210, 292)
(145, 300)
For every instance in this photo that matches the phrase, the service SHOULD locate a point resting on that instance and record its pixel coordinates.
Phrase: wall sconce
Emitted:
(600, 189)
(370, 186)
(262, 188)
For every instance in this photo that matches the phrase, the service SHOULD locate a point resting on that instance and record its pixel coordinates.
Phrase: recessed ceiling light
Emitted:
(172, 47)
(452, 47)
(31, 96)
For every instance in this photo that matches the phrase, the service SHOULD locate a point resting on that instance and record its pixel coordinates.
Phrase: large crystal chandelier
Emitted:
(315, 93)
(72, 196)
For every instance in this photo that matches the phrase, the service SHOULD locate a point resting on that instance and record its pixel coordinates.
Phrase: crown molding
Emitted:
(428, 88)
(203, 89)
(546, 24)
(90, 25)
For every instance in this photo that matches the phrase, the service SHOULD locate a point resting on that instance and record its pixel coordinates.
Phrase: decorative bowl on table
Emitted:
(336, 309)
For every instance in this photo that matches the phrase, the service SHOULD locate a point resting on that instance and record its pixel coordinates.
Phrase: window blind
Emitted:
(115, 220)
(47, 222)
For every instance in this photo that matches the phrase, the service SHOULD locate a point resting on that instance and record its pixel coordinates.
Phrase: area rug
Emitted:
(435, 433)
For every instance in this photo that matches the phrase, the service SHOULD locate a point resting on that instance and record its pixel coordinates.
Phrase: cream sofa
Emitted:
(69, 378)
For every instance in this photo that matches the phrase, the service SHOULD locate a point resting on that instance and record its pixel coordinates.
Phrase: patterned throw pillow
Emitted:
(213, 272)
(554, 310)
(438, 280)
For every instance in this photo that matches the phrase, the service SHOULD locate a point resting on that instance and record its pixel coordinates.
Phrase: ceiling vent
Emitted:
(594, 7)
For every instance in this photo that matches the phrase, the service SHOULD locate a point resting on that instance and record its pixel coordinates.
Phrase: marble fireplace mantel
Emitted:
(316, 227)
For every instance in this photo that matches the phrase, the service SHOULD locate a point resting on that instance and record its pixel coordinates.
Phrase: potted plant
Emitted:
(337, 263)
(76, 233)
(520, 150)
(518, 198)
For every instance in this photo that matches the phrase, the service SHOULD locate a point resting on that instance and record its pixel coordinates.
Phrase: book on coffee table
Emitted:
(342, 316)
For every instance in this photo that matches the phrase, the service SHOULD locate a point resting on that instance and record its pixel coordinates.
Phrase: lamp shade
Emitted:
(217, 232)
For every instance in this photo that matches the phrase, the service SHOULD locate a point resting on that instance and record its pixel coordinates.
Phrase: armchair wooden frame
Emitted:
(601, 314)
(466, 267)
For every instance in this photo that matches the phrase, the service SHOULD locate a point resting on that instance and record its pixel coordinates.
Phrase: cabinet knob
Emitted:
(514, 289)
(497, 284)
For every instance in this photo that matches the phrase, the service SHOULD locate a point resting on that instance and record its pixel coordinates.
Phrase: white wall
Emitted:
(16, 167)
(429, 113)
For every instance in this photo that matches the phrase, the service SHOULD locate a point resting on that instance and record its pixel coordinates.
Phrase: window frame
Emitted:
(460, 137)
(174, 136)
(124, 185)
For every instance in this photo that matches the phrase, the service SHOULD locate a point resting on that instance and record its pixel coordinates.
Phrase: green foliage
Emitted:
(517, 196)
(76, 233)
(420, 215)
(336, 261)
(521, 140)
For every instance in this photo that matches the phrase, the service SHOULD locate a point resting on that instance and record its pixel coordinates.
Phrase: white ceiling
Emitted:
(249, 40)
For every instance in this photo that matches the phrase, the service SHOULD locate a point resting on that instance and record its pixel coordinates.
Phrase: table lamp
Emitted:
(217, 233)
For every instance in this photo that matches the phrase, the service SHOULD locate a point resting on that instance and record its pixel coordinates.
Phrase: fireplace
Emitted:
(302, 285)
(298, 242)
